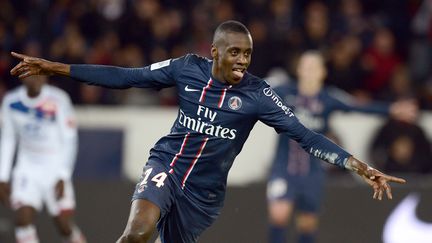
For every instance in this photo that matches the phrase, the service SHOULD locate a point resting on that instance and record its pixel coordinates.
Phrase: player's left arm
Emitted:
(323, 148)
(375, 178)
(273, 112)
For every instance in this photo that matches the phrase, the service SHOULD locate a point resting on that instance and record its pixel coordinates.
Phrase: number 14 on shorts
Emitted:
(159, 179)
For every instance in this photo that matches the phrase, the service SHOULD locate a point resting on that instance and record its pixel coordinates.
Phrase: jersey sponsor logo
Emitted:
(158, 65)
(235, 103)
(278, 101)
(206, 112)
(403, 224)
(187, 89)
(198, 124)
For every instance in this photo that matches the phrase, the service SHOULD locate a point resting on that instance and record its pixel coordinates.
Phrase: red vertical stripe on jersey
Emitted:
(197, 156)
(222, 98)
(204, 91)
(174, 160)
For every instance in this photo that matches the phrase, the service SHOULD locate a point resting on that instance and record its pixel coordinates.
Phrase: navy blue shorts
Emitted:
(183, 219)
(304, 191)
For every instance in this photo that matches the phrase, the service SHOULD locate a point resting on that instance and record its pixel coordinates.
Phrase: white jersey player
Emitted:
(38, 125)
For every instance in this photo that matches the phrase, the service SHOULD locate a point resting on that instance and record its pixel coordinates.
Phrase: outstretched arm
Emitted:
(321, 147)
(274, 113)
(29, 66)
(158, 75)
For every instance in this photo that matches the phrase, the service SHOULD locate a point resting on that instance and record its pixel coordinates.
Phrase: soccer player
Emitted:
(296, 178)
(183, 184)
(38, 121)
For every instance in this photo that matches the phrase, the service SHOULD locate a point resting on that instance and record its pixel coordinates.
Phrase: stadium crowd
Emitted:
(373, 49)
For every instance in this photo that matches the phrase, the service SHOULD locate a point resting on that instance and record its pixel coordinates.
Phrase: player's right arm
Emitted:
(29, 66)
(158, 75)
(7, 150)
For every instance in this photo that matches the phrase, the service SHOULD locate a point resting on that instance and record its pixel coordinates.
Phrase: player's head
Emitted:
(311, 72)
(231, 51)
(34, 84)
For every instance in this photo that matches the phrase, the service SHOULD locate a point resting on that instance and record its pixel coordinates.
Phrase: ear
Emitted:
(214, 52)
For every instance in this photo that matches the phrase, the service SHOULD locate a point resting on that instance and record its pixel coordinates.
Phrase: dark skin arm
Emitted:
(29, 66)
(375, 178)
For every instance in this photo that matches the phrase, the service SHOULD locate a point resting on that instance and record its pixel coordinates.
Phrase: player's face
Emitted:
(231, 56)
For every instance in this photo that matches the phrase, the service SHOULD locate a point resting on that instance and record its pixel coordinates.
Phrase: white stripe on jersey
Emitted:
(179, 153)
(198, 155)
(222, 98)
(204, 90)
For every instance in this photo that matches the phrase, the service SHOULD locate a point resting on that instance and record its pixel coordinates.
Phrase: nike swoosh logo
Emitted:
(191, 90)
(403, 225)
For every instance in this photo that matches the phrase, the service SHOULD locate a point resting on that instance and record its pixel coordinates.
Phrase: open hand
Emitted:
(29, 66)
(379, 182)
(375, 178)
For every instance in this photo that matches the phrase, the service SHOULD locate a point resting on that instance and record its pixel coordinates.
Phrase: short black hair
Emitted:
(230, 26)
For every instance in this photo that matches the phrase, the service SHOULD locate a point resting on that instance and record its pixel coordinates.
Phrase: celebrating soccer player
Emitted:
(183, 184)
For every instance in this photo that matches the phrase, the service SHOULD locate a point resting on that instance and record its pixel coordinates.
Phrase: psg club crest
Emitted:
(234, 103)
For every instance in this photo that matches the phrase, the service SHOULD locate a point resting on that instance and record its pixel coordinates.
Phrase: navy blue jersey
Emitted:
(214, 120)
(314, 112)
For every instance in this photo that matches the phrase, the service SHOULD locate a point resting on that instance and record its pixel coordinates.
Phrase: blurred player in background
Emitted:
(296, 178)
(182, 189)
(38, 121)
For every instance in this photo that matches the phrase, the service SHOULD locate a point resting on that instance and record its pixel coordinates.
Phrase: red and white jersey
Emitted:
(43, 129)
